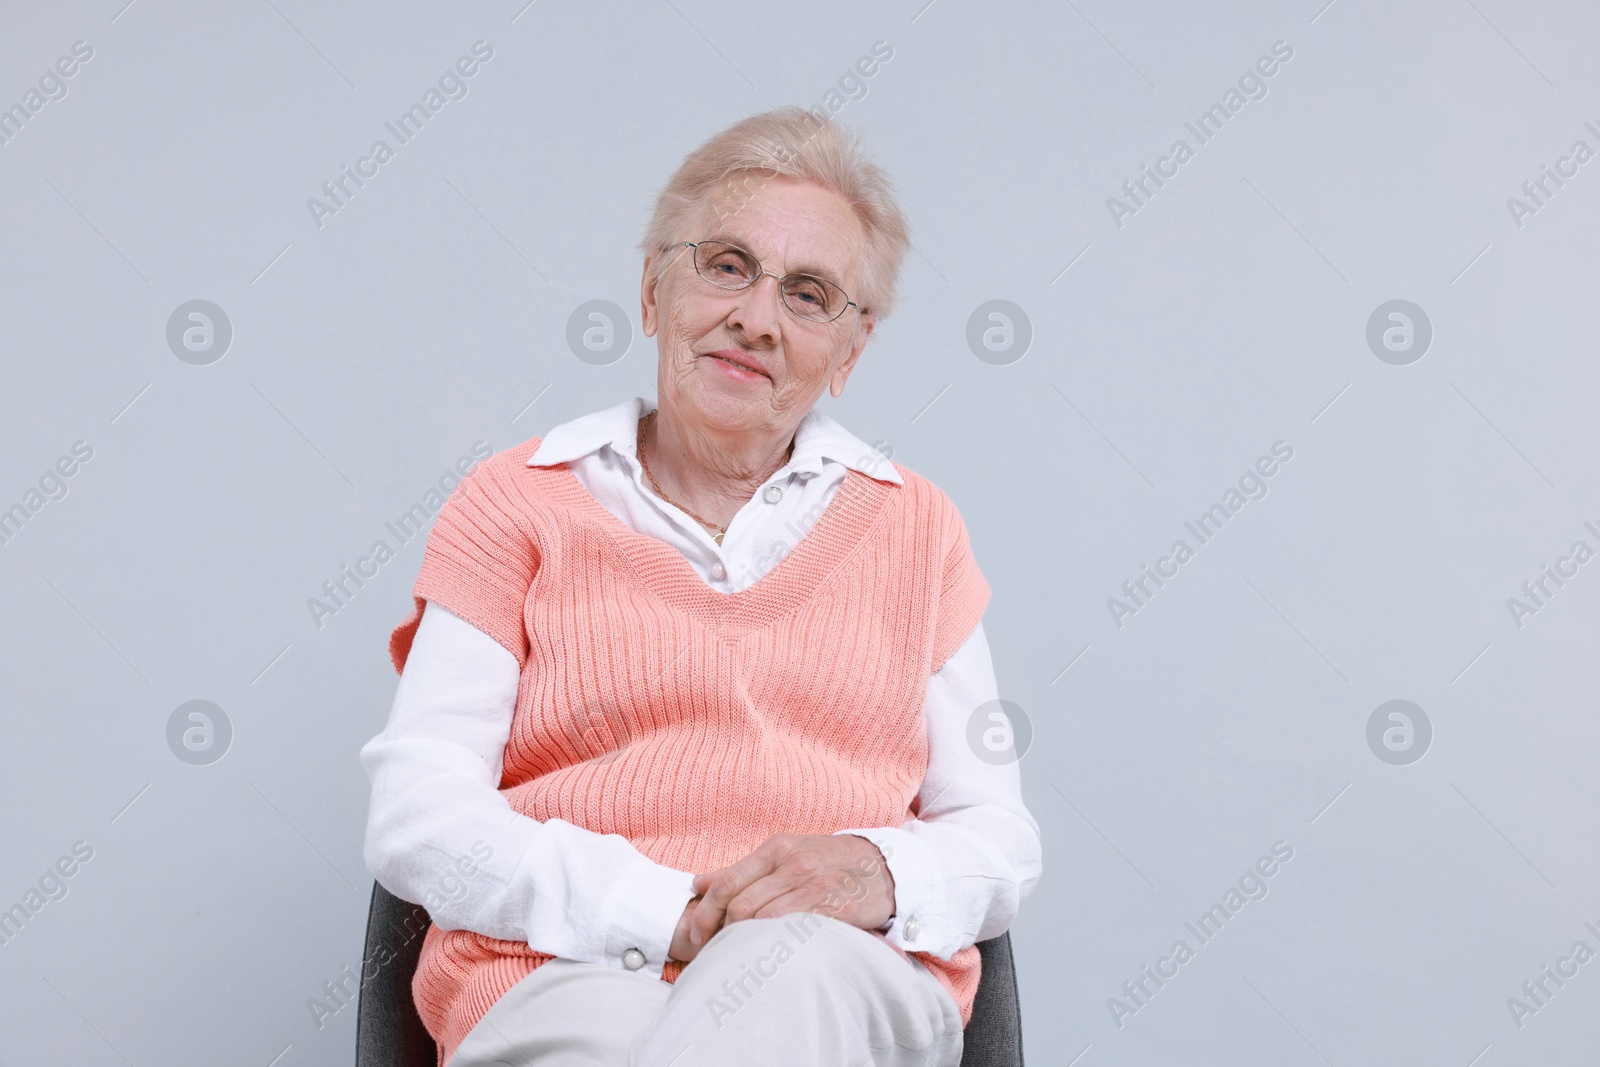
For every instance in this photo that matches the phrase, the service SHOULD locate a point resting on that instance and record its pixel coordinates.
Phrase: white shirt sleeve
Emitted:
(440, 833)
(963, 867)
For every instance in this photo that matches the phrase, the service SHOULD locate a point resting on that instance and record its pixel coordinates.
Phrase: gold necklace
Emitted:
(657, 487)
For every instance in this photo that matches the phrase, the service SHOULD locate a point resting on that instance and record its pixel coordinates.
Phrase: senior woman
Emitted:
(678, 761)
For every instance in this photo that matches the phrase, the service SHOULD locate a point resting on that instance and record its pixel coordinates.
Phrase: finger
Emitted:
(704, 916)
(726, 884)
(681, 950)
(796, 886)
(709, 915)
(730, 881)
(805, 899)
(681, 947)
(783, 881)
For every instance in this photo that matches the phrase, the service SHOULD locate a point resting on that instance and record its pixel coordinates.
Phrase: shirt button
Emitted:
(772, 494)
(911, 929)
(718, 571)
(633, 959)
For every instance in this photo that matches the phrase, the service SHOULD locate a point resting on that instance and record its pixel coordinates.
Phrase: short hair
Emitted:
(799, 144)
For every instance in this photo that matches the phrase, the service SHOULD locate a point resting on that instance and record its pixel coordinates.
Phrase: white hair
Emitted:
(798, 144)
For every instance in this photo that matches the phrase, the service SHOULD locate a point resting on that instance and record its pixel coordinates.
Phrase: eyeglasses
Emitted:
(805, 295)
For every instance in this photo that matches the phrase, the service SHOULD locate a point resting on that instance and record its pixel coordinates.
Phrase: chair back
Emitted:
(389, 1033)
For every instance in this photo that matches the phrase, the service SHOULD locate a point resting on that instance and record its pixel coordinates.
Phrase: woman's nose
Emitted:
(757, 310)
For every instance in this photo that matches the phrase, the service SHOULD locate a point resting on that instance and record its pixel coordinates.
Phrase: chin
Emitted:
(717, 405)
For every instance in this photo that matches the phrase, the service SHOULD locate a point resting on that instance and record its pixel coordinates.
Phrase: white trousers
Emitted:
(806, 990)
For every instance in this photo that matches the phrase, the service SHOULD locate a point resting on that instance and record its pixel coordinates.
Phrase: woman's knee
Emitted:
(800, 946)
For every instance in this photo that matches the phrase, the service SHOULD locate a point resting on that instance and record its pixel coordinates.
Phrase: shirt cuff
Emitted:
(921, 920)
(641, 914)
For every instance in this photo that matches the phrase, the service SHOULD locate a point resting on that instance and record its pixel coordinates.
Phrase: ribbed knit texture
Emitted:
(694, 723)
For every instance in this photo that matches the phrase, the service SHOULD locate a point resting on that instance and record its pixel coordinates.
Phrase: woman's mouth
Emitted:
(736, 371)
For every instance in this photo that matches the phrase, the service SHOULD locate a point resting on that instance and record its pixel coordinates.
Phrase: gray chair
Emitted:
(389, 1033)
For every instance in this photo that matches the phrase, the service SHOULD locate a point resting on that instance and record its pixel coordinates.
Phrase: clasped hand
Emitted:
(841, 875)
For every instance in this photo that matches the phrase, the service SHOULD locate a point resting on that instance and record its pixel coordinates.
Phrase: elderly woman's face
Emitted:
(791, 227)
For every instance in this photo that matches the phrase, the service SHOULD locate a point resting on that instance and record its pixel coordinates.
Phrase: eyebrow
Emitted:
(820, 272)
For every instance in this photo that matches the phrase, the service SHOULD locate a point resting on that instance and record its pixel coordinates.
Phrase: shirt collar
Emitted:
(818, 437)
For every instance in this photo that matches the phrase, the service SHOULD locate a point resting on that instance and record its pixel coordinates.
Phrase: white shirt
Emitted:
(440, 833)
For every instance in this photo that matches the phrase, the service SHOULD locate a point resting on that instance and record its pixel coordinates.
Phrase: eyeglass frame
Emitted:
(763, 272)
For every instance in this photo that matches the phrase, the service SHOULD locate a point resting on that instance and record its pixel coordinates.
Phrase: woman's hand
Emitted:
(841, 875)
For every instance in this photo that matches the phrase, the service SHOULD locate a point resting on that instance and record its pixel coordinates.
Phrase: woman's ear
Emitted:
(647, 296)
(858, 342)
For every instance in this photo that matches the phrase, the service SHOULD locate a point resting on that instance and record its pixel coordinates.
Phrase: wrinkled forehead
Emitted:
(791, 226)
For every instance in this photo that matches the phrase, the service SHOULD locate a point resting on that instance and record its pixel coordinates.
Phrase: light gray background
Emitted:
(1228, 314)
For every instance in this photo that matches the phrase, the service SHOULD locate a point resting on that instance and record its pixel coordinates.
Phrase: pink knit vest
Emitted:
(695, 723)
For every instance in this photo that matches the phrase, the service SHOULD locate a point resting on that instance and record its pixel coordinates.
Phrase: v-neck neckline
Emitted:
(851, 512)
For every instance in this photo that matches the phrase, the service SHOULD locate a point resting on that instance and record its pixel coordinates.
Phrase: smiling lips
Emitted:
(741, 360)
